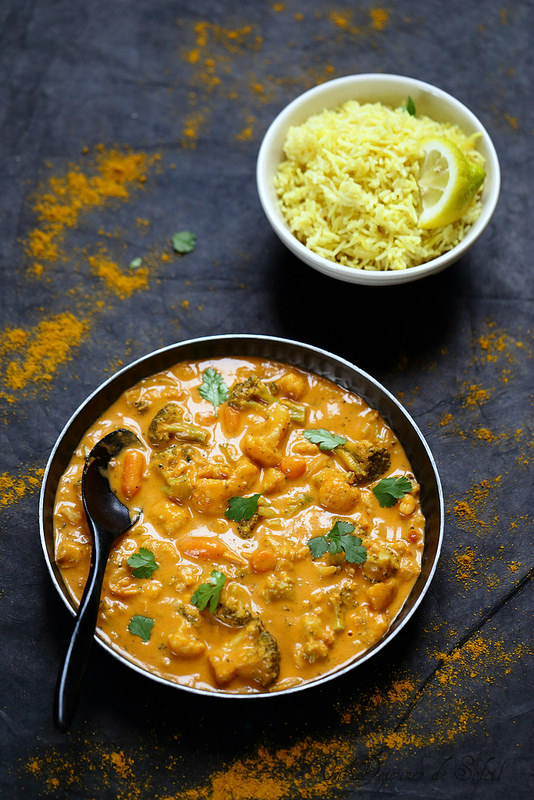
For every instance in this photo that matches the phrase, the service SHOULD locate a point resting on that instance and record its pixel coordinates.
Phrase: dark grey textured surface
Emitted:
(457, 348)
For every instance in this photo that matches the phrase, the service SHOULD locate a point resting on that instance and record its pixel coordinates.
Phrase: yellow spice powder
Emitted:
(34, 355)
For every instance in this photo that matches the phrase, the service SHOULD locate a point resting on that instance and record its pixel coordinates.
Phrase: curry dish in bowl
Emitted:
(280, 528)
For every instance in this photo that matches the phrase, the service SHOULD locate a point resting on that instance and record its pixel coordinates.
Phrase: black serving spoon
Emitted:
(108, 518)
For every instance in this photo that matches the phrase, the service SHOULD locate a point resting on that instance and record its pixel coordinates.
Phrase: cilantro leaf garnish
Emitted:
(324, 439)
(141, 626)
(389, 490)
(410, 107)
(143, 563)
(240, 508)
(209, 592)
(213, 388)
(184, 242)
(339, 539)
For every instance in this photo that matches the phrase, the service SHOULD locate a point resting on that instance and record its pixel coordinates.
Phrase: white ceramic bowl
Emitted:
(391, 90)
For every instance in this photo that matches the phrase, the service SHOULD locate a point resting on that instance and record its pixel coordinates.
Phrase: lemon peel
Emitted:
(448, 182)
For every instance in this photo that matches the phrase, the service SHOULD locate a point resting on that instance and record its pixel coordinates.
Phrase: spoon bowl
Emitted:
(107, 518)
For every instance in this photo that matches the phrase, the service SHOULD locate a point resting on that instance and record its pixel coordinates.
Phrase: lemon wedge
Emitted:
(448, 182)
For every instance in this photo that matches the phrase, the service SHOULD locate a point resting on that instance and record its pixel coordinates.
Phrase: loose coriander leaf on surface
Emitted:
(213, 388)
(143, 563)
(240, 508)
(184, 242)
(389, 490)
(324, 439)
(209, 592)
(141, 626)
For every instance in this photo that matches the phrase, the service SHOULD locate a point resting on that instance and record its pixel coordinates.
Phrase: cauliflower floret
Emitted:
(183, 641)
(279, 586)
(315, 640)
(262, 445)
(292, 385)
(252, 654)
(211, 495)
(234, 606)
(382, 562)
(68, 554)
(335, 492)
(170, 517)
(381, 594)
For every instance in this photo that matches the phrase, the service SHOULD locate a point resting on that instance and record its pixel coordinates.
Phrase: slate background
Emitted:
(73, 75)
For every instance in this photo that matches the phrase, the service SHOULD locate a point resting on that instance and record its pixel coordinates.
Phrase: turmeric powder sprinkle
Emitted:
(57, 206)
(35, 355)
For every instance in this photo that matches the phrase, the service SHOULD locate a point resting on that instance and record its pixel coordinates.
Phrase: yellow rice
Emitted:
(348, 186)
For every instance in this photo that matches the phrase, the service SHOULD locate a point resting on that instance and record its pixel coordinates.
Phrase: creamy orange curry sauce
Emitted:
(268, 550)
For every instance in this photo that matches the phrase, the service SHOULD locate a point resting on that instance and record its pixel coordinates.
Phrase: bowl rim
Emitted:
(163, 355)
(282, 122)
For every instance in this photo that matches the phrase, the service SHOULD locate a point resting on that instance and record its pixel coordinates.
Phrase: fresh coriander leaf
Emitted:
(184, 242)
(340, 539)
(213, 388)
(324, 439)
(209, 592)
(410, 107)
(141, 626)
(240, 508)
(336, 535)
(143, 563)
(355, 552)
(389, 490)
(136, 263)
(318, 546)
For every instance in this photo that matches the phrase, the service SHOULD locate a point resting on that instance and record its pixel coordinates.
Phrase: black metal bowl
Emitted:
(309, 358)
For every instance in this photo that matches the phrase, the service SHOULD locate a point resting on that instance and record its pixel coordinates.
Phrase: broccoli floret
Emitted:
(245, 527)
(252, 393)
(297, 411)
(252, 654)
(340, 599)
(169, 424)
(173, 463)
(234, 606)
(190, 613)
(279, 586)
(364, 460)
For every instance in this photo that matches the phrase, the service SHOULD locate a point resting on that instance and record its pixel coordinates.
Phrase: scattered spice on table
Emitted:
(14, 487)
(121, 281)
(110, 175)
(34, 355)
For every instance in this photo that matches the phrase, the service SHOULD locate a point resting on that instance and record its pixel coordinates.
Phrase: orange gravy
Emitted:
(320, 612)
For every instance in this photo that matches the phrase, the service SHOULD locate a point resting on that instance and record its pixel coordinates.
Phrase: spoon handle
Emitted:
(74, 666)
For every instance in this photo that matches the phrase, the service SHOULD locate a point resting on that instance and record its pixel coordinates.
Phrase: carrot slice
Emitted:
(133, 467)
